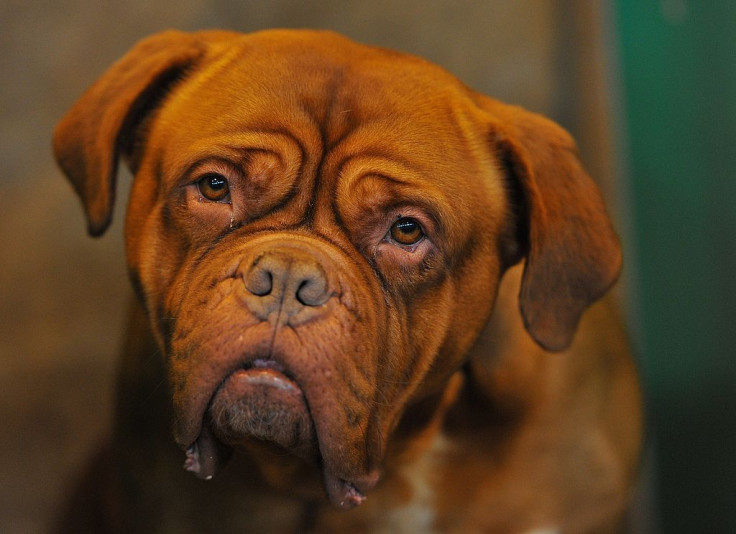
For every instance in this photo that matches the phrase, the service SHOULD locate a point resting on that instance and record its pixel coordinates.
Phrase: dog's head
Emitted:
(317, 230)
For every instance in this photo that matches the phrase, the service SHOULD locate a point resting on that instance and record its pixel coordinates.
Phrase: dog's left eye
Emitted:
(214, 187)
(406, 231)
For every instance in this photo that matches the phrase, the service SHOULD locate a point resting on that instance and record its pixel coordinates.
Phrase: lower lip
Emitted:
(263, 377)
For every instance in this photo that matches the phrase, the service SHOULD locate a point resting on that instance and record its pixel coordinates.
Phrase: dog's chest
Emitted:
(405, 502)
(418, 499)
(419, 513)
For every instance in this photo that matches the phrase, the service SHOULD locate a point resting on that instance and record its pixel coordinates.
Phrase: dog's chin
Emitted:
(258, 403)
(262, 403)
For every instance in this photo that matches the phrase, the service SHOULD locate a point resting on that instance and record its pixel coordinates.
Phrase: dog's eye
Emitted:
(406, 231)
(214, 187)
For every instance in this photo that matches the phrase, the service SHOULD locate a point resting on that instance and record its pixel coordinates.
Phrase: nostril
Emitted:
(312, 291)
(259, 282)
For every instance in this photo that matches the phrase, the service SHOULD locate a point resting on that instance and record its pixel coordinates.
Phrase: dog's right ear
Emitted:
(90, 139)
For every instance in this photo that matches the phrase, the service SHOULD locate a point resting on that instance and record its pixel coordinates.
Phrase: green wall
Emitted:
(678, 63)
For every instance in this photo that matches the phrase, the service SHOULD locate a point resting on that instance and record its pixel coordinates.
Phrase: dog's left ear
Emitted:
(90, 138)
(573, 255)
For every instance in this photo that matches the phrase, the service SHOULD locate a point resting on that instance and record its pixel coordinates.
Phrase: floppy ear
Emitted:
(573, 255)
(99, 127)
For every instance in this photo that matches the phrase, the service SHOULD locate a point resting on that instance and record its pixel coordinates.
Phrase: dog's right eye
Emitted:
(214, 187)
(407, 231)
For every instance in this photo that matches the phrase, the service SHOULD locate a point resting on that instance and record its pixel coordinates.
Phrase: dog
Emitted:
(368, 298)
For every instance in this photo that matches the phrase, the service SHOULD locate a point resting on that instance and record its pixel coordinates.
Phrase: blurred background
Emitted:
(648, 87)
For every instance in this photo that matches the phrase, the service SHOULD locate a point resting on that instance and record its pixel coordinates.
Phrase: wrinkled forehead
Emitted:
(320, 93)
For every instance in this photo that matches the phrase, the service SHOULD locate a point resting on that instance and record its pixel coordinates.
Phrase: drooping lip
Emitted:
(268, 371)
(266, 377)
(268, 363)
(258, 383)
(261, 402)
(194, 391)
(206, 453)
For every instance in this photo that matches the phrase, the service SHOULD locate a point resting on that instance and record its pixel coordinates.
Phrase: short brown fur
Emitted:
(412, 384)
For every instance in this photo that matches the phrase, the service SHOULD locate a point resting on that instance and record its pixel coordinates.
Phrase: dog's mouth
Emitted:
(261, 402)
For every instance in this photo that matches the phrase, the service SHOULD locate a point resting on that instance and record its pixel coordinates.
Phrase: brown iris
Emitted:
(214, 187)
(406, 231)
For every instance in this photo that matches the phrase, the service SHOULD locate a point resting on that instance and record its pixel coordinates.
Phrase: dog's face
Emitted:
(317, 229)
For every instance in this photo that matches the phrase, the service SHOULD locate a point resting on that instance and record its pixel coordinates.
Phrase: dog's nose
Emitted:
(285, 282)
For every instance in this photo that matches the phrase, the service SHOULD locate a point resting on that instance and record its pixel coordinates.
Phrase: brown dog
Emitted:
(317, 232)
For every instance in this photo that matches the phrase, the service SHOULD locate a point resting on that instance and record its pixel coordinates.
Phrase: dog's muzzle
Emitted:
(289, 377)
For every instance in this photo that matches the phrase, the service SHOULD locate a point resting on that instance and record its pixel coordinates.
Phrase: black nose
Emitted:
(285, 283)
